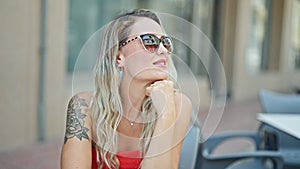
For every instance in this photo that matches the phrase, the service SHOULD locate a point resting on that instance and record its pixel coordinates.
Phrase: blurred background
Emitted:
(258, 42)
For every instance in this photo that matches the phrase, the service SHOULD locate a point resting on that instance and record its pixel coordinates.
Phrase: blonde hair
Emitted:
(107, 106)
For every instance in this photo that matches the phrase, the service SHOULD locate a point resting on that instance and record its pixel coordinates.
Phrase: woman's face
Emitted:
(140, 64)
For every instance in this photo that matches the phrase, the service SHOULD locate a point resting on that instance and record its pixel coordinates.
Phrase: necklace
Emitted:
(134, 121)
(131, 124)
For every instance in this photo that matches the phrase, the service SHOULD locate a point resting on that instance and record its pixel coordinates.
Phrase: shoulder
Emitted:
(79, 107)
(81, 101)
(81, 98)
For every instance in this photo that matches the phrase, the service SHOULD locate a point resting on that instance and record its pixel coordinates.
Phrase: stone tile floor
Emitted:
(236, 117)
(36, 156)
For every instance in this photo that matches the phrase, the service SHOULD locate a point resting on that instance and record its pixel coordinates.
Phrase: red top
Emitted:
(127, 159)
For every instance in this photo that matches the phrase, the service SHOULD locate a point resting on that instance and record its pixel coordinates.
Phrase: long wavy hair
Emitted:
(107, 106)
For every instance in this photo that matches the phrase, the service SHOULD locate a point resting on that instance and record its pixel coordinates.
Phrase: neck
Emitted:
(132, 95)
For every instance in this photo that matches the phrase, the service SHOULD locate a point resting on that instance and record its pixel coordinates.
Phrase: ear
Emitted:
(120, 59)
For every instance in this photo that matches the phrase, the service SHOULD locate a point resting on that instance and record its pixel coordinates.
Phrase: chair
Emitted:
(190, 148)
(258, 159)
(273, 102)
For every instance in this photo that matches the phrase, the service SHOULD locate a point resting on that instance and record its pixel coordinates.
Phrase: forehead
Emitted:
(144, 25)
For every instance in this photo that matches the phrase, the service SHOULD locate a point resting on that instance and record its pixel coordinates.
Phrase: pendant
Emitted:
(131, 124)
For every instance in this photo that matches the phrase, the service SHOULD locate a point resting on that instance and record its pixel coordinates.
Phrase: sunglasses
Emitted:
(151, 42)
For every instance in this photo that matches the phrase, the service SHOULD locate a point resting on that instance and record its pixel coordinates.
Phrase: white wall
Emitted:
(19, 54)
(245, 84)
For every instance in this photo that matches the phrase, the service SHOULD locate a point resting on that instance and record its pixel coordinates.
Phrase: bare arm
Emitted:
(174, 109)
(76, 150)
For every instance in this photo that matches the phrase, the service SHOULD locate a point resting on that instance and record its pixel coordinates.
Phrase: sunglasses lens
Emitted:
(151, 43)
(167, 42)
(151, 48)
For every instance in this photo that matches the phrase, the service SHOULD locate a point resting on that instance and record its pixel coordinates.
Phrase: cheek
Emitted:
(137, 64)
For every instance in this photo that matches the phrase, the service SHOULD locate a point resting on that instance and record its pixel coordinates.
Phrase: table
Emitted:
(286, 127)
(288, 123)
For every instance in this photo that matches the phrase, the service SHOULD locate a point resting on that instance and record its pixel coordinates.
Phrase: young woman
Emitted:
(134, 118)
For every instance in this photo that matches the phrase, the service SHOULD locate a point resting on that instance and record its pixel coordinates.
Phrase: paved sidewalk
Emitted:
(237, 116)
(36, 156)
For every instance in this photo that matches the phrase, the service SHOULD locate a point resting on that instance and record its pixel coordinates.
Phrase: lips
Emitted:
(160, 63)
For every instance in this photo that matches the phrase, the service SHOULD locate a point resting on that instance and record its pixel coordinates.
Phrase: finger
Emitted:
(159, 83)
(148, 90)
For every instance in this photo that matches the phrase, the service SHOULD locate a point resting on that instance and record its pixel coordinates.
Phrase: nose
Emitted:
(162, 49)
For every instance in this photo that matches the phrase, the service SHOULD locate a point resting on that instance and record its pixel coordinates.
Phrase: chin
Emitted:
(153, 75)
(160, 75)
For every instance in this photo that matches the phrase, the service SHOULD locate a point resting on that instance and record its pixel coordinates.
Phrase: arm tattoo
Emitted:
(75, 120)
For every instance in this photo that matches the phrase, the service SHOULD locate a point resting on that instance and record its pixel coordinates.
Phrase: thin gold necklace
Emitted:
(134, 121)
